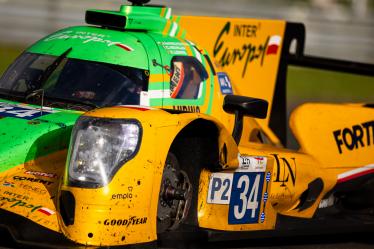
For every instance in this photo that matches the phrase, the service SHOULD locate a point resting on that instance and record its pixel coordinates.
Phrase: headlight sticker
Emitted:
(99, 148)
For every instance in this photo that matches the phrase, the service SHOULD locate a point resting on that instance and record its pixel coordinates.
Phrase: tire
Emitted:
(175, 196)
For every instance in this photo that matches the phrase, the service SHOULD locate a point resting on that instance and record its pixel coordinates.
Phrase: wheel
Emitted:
(175, 196)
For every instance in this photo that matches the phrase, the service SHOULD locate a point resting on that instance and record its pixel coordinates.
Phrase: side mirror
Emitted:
(244, 106)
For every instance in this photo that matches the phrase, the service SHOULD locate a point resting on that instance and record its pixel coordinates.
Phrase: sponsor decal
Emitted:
(23, 111)
(224, 83)
(261, 160)
(355, 137)
(247, 52)
(8, 184)
(85, 37)
(245, 30)
(174, 48)
(285, 170)
(132, 221)
(176, 80)
(31, 179)
(33, 189)
(283, 196)
(38, 173)
(187, 108)
(251, 163)
(14, 202)
(123, 196)
(15, 195)
(244, 161)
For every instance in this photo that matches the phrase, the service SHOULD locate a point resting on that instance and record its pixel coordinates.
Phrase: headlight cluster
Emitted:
(99, 148)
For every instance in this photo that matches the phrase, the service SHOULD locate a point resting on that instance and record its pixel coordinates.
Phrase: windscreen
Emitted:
(74, 80)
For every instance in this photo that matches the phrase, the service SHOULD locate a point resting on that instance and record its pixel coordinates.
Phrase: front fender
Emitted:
(125, 211)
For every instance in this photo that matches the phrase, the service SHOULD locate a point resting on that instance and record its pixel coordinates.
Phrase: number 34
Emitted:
(246, 198)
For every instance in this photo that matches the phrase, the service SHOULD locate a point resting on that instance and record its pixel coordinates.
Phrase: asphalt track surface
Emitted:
(346, 241)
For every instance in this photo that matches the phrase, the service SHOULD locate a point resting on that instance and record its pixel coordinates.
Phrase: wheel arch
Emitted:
(198, 131)
(196, 146)
(202, 144)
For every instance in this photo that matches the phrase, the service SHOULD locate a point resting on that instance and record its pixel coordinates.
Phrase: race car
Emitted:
(143, 127)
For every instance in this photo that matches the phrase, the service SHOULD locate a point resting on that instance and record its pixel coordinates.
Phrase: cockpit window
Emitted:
(187, 77)
(78, 80)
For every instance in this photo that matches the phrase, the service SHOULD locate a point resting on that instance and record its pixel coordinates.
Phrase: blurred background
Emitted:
(342, 29)
(335, 28)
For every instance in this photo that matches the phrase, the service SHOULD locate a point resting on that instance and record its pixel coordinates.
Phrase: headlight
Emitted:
(99, 147)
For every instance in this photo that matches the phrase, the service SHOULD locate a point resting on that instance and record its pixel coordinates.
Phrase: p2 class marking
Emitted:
(220, 186)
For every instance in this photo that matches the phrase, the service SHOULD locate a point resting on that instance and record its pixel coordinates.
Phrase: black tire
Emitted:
(175, 196)
(192, 154)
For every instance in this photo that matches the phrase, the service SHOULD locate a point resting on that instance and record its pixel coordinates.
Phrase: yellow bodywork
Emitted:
(29, 197)
(140, 177)
(327, 134)
(253, 73)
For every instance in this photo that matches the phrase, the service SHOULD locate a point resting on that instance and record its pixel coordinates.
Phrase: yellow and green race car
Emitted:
(143, 127)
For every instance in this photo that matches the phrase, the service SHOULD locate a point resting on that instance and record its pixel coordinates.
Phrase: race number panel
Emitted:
(242, 190)
(245, 202)
(23, 111)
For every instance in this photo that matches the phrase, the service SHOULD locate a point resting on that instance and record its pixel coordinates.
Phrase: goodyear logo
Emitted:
(132, 221)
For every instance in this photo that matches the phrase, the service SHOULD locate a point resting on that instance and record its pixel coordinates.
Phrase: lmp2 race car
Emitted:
(143, 127)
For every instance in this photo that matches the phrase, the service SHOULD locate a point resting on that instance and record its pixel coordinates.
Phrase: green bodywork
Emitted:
(23, 140)
(95, 44)
(138, 44)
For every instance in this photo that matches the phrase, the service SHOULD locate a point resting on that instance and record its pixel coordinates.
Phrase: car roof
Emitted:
(95, 44)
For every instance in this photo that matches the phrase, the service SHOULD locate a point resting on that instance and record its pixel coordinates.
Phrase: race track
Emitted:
(347, 241)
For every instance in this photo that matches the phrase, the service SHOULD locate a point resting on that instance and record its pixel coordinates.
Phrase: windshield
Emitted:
(74, 80)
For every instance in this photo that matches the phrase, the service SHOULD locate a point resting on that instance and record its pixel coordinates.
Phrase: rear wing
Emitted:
(256, 54)
(248, 50)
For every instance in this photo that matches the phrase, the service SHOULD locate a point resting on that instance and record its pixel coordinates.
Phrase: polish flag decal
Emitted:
(356, 173)
(125, 47)
(273, 45)
(46, 211)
